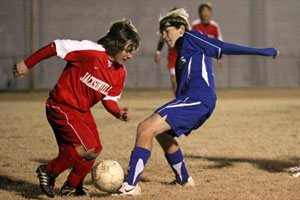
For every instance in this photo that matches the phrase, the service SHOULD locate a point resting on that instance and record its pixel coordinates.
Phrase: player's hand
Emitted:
(277, 55)
(157, 58)
(125, 114)
(20, 69)
(220, 63)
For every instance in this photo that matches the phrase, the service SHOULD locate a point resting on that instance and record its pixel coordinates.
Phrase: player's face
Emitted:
(206, 14)
(171, 34)
(124, 55)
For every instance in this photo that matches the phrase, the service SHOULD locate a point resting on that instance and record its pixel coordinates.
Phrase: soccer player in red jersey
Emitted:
(172, 56)
(94, 72)
(206, 25)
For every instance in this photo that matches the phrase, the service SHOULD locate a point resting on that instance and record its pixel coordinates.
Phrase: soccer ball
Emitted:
(108, 175)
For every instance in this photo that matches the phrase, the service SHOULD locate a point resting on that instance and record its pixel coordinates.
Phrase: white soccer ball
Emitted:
(108, 175)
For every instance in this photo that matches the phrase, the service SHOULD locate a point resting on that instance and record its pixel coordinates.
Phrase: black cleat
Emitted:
(47, 181)
(81, 191)
(67, 190)
(188, 183)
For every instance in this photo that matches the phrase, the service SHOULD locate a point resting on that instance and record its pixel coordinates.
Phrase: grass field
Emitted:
(241, 152)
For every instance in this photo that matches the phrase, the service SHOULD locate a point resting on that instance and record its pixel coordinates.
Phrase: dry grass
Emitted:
(241, 152)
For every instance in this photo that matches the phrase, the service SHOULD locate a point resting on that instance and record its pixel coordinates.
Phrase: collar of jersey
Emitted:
(109, 63)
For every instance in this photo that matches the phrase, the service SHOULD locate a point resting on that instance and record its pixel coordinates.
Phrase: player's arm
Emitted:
(21, 68)
(110, 101)
(113, 108)
(215, 48)
(219, 37)
(160, 45)
(233, 49)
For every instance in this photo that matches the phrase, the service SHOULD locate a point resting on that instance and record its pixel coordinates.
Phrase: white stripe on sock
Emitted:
(138, 169)
(177, 167)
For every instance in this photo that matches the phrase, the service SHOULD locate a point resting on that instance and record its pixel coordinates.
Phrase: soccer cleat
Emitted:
(296, 174)
(81, 191)
(47, 180)
(188, 183)
(67, 190)
(295, 171)
(129, 190)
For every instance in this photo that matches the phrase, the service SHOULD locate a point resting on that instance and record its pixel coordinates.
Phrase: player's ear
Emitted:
(181, 30)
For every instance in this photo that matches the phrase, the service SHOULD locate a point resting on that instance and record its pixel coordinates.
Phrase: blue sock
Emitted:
(138, 160)
(178, 166)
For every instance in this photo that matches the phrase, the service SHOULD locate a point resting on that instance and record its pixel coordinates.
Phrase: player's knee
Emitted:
(88, 152)
(141, 128)
(145, 129)
(92, 156)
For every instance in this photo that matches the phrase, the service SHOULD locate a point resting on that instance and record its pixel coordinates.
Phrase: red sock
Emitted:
(66, 158)
(79, 172)
(52, 163)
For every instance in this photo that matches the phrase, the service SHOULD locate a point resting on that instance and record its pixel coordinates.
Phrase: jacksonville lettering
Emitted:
(95, 84)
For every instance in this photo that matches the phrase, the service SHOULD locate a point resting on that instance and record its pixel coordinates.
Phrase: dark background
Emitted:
(260, 23)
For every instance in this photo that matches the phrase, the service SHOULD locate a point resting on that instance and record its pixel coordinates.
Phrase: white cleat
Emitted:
(295, 171)
(189, 183)
(129, 190)
(296, 174)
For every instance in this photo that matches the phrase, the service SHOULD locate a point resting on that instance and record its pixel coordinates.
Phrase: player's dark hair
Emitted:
(118, 36)
(201, 8)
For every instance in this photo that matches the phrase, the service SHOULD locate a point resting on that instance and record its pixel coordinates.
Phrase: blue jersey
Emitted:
(196, 97)
(195, 75)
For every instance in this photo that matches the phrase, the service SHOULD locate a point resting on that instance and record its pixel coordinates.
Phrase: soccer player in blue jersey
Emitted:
(195, 98)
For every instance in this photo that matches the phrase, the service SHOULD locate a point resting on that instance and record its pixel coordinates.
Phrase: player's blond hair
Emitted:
(179, 15)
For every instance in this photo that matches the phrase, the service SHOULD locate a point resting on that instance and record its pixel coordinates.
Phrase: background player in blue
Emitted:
(195, 98)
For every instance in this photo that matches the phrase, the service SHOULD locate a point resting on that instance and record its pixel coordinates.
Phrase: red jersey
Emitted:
(212, 29)
(172, 56)
(88, 76)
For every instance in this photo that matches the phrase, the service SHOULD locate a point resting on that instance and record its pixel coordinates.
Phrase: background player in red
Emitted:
(206, 25)
(172, 56)
(94, 72)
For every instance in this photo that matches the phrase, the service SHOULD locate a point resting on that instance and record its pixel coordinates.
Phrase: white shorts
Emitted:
(172, 71)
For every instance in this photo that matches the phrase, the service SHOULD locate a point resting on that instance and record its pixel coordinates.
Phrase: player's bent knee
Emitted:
(145, 130)
(88, 152)
(93, 156)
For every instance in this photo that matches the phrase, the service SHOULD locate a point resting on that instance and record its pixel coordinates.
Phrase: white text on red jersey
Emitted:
(96, 84)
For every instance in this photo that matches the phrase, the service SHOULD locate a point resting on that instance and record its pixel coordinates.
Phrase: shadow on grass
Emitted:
(40, 160)
(95, 194)
(272, 166)
(29, 190)
(20, 187)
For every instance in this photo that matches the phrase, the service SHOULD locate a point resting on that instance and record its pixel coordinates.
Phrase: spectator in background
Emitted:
(172, 55)
(206, 25)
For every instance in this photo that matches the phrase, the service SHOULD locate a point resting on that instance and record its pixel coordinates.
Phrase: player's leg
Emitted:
(74, 143)
(182, 115)
(74, 183)
(149, 128)
(45, 172)
(175, 158)
(65, 137)
(146, 131)
(173, 80)
(167, 142)
(69, 157)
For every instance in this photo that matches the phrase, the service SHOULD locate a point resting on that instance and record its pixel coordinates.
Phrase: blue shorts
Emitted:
(184, 114)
